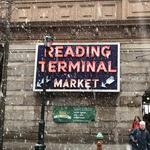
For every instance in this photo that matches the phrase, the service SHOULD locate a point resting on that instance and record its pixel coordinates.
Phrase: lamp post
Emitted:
(48, 40)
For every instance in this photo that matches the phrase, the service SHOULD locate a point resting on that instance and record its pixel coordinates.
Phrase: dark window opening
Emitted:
(146, 108)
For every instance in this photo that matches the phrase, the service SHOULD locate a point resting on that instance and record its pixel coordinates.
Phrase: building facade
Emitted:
(24, 23)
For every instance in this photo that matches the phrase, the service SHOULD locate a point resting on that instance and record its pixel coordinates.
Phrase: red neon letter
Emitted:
(106, 51)
(62, 66)
(91, 66)
(110, 67)
(69, 51)
(58, 52)
(50, 51)
(102, 67)
(72, 66)
(52, 66)
(42, 63)
(95, 51)
(80, 51)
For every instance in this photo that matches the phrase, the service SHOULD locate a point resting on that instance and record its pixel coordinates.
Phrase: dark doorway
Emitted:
(1, 97)
(146, 108)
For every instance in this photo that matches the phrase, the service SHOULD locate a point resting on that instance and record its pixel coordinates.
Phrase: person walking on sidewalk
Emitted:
(140, 138)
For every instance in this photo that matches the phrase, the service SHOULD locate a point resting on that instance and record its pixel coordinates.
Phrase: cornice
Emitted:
(105, 23)
(79, 30)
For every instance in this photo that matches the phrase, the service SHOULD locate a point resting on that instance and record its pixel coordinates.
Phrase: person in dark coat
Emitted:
(140, 138)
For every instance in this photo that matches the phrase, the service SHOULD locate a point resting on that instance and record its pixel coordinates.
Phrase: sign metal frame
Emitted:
(80, 90)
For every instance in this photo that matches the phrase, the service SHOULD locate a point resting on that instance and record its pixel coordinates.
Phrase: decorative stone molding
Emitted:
(60, 10)
(138, 9)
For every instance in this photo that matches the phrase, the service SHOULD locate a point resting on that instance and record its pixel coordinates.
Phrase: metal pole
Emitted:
(5, 63)
(40, 144)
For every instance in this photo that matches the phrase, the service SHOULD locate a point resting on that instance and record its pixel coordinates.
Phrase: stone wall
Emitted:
(75, 21)
(114, 111)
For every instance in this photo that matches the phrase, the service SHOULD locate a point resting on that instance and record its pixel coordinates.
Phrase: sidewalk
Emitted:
(69, 146)
(87, 147)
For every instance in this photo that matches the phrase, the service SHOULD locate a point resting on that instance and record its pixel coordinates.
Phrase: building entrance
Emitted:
(146, 108)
